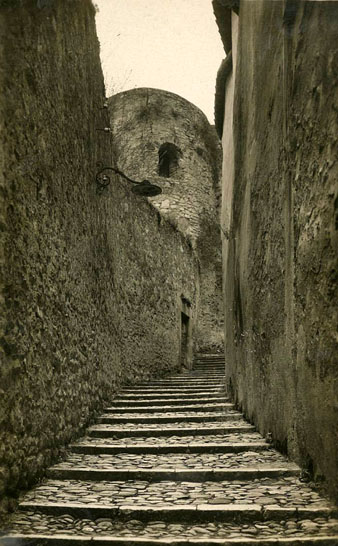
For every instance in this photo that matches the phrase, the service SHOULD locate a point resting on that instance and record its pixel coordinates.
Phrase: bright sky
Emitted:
(166, 44)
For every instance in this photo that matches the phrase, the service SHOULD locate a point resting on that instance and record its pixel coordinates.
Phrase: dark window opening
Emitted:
(168, 159)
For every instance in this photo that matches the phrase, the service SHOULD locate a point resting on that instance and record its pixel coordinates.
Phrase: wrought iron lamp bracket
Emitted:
(145, 188)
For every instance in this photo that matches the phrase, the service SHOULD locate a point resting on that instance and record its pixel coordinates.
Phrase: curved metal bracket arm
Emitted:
(103, 179)
(144, 188)
(124, 176)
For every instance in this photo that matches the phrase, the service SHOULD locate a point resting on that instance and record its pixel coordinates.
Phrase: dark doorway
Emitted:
(184, 339)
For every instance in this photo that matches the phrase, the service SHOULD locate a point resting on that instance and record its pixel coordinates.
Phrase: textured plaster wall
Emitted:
(280, 270)
(144, 119)
(91, 284)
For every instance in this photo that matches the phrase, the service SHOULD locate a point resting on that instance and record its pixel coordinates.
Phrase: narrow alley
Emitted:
(168, 273)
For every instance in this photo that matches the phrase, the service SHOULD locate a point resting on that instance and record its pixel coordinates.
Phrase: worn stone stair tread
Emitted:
(220, 422)
(203, 372)
(148, 447)
(217, 368)
(178, 513)
(229, 439)
(130, 540)
(253, 460)
(184, 381)
(278, 496)
(172, 473)
(170, 417)
(192, 381)
(169, 408)
(196, 374)
(178, 389)
(169, 429)
(60, 540)
(162, 412)
(243, 437)
(65, 527)
(209, 365)
(214, 363)
(33, 523)
(206, 366)
(125, 401)
(206, 371)
(191, 377)
(185, 385)
(182, 393)
(158, 396)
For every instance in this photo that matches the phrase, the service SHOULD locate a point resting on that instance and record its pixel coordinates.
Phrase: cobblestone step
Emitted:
(203, 378)
(213, 365)
(183, 384)
(197, 461)
(208, 371)
(178, 512)
(193, 467)
(185, 380)
(189, 389)
(209, 366)
(211, 361)
(196, 417)
(196, 374)
(65, 529)
(94, 448)
(174, 474)
(155, 395)
(169, 429)
(217, 368)
(125, 401)
(216, 363)
(173, 444)
(62, 540)
(274, 494)
(217, 406)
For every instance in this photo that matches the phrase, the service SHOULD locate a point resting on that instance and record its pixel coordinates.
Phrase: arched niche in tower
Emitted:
(168, 159)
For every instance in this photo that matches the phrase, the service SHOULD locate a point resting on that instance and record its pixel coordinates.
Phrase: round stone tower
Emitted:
(161, 137)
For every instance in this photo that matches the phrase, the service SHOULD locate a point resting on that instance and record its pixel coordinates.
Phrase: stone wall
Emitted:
(91, 283)
(143, 120)
(280, 228)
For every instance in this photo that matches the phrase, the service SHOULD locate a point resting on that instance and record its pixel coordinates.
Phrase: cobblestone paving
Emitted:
(239, 437)
(221, 406)
(121, 402)
(175, 425)
(172, 460)
(192, 389)
(157, 394)
(176, 414)
(50, 508)
(282, 492)
(31, 522)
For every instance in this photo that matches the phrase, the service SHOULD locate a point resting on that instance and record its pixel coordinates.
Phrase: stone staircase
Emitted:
(172, 462)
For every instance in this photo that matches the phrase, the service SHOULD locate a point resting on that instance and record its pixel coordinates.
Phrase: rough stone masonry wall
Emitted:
(90, 284)
(144, 119)
(281, 249)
